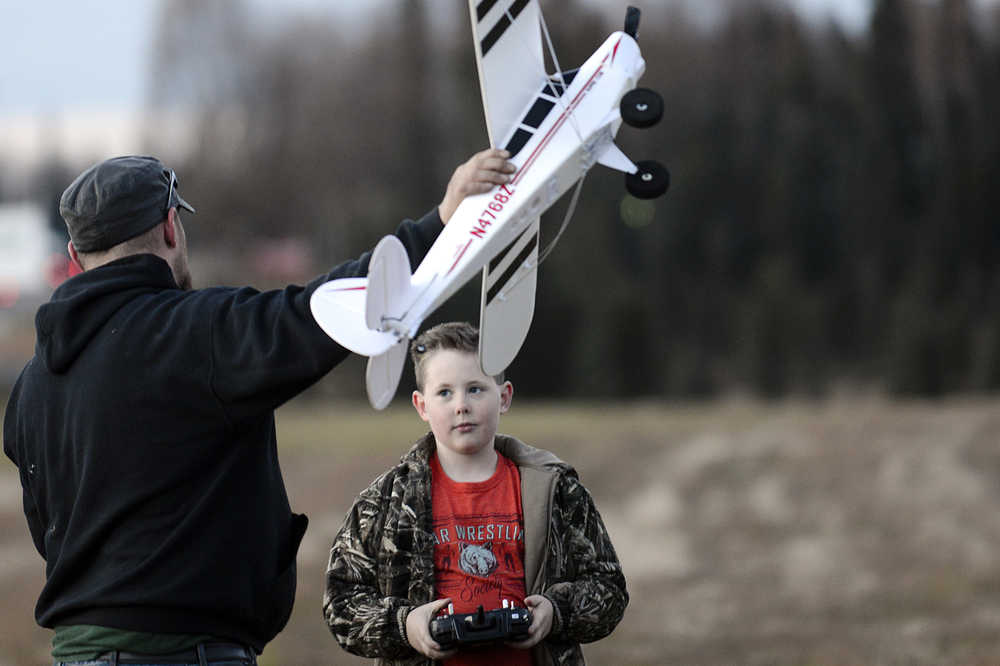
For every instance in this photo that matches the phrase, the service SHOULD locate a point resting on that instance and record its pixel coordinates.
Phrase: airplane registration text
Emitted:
(490, 212)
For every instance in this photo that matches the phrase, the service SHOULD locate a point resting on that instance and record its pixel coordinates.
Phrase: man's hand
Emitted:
(541, 621)
(418, 629)
(481, 173)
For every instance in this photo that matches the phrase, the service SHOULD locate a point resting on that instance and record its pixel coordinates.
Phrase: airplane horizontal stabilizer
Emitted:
(383, 372)
(338, 307)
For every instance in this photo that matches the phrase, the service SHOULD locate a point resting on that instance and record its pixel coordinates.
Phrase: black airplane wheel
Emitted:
(642, 107)
(650, 181)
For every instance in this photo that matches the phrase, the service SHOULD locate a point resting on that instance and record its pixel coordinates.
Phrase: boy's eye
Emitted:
(444, 393)
(475, 389)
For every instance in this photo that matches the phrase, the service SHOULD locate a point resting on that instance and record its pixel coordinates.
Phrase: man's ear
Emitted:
(420, 405)
(73, 256)
(170, 228)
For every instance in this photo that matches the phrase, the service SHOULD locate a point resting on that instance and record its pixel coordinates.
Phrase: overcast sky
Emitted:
(59, 55)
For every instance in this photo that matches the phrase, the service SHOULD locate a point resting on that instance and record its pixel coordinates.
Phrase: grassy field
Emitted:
(853, 531)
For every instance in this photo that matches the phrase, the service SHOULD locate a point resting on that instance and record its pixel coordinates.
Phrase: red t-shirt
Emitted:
(479, 550)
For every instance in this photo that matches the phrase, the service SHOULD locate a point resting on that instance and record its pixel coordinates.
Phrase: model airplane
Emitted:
(555, 127)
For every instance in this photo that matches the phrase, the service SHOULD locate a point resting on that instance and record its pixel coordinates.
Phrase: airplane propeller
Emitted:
(632, 22)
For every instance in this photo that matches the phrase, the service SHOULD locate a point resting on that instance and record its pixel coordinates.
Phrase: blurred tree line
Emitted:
(831, 222)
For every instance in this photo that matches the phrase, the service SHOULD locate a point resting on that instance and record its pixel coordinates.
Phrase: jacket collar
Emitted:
(521, 454)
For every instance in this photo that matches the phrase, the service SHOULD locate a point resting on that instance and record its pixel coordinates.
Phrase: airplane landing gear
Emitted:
(650, 181)
(641, 107)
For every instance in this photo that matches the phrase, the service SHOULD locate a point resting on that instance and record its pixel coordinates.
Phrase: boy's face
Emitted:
(460, 402)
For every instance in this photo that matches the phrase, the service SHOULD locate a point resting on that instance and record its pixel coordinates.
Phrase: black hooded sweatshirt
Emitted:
(143, 430)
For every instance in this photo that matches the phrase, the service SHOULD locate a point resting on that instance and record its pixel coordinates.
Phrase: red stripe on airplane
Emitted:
(459, 257)
(351, 289)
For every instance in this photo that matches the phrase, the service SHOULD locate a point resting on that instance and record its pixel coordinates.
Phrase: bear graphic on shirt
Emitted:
(477, 559)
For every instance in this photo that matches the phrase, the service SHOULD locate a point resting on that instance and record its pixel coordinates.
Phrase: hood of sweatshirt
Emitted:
(82, 306)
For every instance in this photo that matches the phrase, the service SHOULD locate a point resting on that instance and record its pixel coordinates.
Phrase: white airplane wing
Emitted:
(508, 301)
(508, 39)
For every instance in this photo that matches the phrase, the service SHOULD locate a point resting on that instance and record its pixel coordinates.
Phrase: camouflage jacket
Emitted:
(382, 560)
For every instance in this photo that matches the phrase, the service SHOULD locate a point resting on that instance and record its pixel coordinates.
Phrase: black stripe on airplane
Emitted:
(503, 253)
(501, 27)
(483, 8)
(502, 281)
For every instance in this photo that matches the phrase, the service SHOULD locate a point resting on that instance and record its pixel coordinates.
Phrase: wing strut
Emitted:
(559, 73)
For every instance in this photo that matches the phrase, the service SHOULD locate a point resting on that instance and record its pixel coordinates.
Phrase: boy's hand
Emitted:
(481, 173)
(541, 621)
(418, 629)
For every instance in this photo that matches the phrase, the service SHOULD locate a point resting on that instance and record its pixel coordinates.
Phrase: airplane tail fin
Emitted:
(365, 316)
(389, 292)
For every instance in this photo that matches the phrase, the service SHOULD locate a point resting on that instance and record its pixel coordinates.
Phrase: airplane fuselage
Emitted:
(578, 123)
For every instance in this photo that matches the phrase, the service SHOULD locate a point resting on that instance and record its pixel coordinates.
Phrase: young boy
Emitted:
(469, 517)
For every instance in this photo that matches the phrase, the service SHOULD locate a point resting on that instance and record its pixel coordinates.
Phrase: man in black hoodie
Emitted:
(143, 428)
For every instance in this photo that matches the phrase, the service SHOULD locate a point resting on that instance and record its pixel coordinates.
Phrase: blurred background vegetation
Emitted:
(829, 227)
(828, 234)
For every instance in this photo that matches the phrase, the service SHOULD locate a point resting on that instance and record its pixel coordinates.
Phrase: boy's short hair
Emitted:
(456, 336)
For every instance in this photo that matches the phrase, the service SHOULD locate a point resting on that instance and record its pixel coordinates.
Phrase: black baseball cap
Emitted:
(118, 199)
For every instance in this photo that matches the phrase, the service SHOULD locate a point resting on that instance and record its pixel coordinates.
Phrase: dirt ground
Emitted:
(853, 531)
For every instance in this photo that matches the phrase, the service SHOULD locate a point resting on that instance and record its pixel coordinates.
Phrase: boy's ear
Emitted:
(506, 396)
(420, 405)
